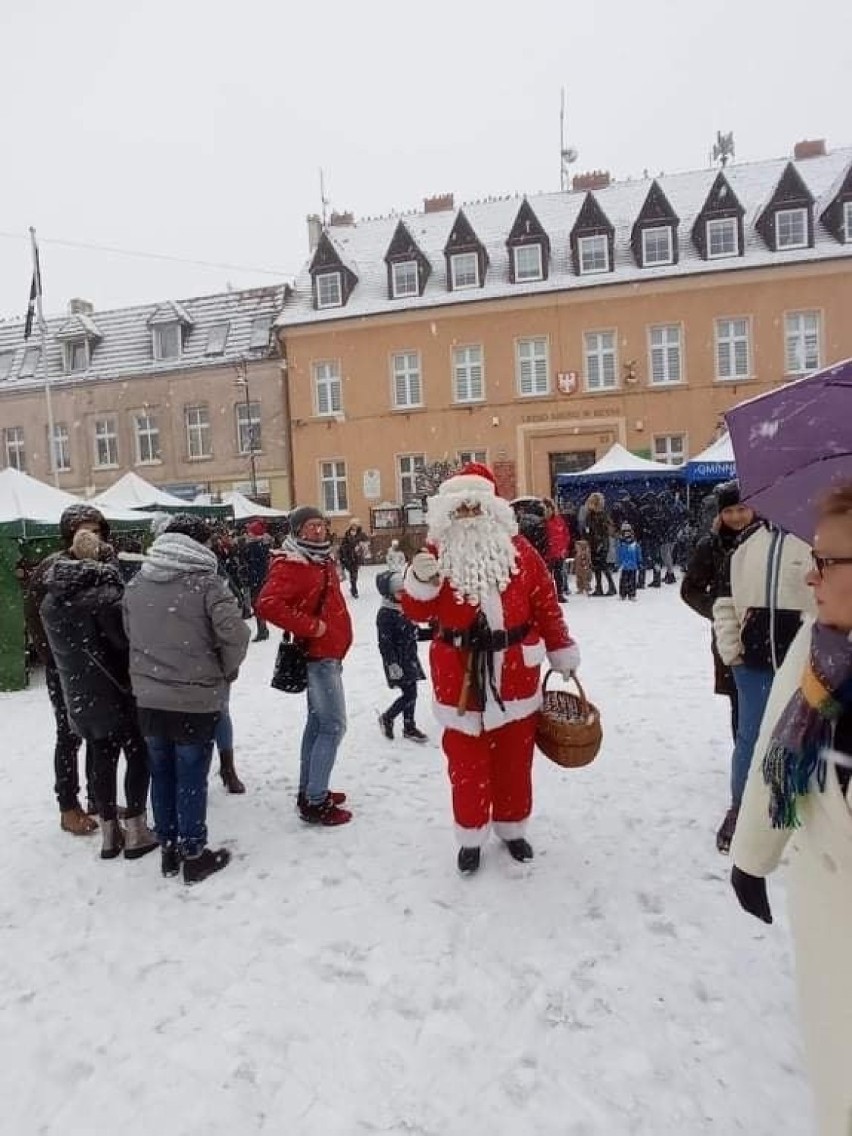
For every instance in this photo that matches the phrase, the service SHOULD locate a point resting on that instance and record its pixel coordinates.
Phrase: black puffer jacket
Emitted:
(81, 614)
(702, 583)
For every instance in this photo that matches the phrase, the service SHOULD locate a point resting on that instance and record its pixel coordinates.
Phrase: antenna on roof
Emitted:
(567, 154)
(723, 148)
(324, 202)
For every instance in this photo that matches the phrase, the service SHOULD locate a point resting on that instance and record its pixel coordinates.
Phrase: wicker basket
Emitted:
(569, 726)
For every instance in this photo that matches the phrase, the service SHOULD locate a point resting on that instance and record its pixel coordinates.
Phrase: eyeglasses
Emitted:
(823, 562)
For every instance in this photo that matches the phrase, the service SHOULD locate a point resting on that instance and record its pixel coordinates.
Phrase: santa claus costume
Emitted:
(493, 603)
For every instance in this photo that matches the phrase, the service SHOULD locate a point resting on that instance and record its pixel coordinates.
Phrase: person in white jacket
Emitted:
(799, 799)
(755, 618)
(395, 558)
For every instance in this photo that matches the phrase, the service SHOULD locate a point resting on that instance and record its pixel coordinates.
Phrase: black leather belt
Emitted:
(484, 639)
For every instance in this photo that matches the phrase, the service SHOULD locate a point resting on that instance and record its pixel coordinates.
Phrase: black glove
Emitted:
(751, 892)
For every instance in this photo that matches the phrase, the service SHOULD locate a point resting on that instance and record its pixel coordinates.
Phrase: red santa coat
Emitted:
(529, 598)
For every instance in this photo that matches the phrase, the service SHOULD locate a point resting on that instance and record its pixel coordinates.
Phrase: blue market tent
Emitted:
(712, 465)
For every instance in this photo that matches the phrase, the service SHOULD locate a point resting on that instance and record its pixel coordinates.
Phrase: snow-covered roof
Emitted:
(133, 492)
(25, 498)
(244, 508)
(123, 337)
(364, 244)
(618, 460)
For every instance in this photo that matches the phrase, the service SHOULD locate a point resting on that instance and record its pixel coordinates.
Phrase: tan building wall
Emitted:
(520, 433)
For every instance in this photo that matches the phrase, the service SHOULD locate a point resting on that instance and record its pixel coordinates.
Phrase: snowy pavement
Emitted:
(339, 982)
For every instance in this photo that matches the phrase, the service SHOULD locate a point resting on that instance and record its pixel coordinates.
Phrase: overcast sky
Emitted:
(196, 130)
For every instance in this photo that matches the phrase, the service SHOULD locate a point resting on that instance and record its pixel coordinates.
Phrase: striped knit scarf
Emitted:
(317, 551)
(805, 728)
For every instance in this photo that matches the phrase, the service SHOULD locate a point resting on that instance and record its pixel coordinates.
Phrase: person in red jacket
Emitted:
(496, 617)
(558, 547)
(302, 595)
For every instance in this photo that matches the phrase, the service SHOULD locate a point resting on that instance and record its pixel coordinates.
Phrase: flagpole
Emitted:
(42, 328)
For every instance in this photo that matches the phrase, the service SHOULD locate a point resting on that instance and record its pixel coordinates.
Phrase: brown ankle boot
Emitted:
(228, 773)
(76, 822)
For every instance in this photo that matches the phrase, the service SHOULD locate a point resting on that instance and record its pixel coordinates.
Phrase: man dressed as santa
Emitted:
(493, 604)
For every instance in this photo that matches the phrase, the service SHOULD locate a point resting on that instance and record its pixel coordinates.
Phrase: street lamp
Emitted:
(242, 380)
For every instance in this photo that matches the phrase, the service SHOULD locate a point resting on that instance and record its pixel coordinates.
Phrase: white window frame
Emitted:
(7, 358)
(403, 284)
(334, 491)
(248, 420)
(656, 232)
(199, 433)
(106, 432)
(465, 456)
(217, 338)
(333, 297)
(802, 343)
(158, 334)
(70, 356)
(802, 216)
(15, 446)
(600, 353)
(406, 379)
(847, 222)
(464, 279)
(261, 326)
(60, 448)
(733, 348)
(146, 427)
(670, 454)
(407, 468)
(533, 271)
(29, 363)
(722, 225)
(532, 352)
(670, 339)
(469, 373)
(327, 388)
(588, 260)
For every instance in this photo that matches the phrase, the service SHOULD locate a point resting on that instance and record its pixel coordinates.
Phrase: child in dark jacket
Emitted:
(398, 638)
(629, 562)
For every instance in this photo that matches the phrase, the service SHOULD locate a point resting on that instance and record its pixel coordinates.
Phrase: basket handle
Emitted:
(584, 702)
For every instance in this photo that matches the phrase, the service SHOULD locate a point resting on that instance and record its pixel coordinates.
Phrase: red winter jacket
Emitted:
(290, 599)
(558, 538)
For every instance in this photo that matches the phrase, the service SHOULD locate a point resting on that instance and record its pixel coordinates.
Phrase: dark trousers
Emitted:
(67, 780)
(105, 755)
(405, 704)
(627, 583)
(353, 579)
(557, 571)
(262, 629)
(179, 791)
(609, 581)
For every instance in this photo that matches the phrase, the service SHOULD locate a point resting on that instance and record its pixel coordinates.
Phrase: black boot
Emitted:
(520, 849)
(657, 581)
(468, 861)
(170, 860)
(262, 630)
(669, 578)
(198, 868)
(228, 773)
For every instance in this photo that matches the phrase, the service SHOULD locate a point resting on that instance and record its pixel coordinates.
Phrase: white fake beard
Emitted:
(476, 554)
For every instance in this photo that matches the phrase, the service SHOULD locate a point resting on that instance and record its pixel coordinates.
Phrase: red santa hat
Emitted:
(474, 484)
(473, 480)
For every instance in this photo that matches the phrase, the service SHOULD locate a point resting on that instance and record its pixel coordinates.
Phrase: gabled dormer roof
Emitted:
(79, 326)
(527, 228)
(591, 219)
(403, 247)
(329, 258)
(832, 204)
(656, 211)
(462, 237)
(720, 202)
(790, 193)
(170, 312)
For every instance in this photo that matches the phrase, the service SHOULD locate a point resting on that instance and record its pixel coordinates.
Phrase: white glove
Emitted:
(566, 660)
(425, 567)
(394, 672)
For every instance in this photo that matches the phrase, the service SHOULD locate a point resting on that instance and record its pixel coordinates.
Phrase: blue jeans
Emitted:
(753, 686)
(179, 792)
(324, 728)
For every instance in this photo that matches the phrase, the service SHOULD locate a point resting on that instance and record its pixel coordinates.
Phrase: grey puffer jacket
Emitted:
(187, 637)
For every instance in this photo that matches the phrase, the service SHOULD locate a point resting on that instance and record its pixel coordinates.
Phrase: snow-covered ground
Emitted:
(348, 981)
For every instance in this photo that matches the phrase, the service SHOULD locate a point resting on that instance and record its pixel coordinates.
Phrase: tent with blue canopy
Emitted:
(712, 465)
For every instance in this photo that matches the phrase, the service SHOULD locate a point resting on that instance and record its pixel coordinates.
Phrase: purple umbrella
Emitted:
(793, 444)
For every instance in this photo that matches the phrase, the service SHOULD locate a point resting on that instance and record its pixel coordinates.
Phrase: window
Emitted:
(248, 427)
(198, 441)
(260, 328)
(328, 393)
(407, 389)
(722, 238)
(847, 221)
(167, 338)
(333, 493)
(60, 450)
(531, 366)
(670, 448)
(791, 229)
(77, 355)
(594, 254)
(329, 290)
(29, 364)
(467, 374)
(665, 354)
(657, 246)
(465, 456)
(147, 439)
(465, 270)
(407, 468)
(732, 349)
(802, 334)
(405, 279)
(13, 442)
(528, 262)
(217, 337)
(106, 442)
(6, 360)
(600, 360)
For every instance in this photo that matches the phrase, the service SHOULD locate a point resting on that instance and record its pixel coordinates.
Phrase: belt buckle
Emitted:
(458, 638)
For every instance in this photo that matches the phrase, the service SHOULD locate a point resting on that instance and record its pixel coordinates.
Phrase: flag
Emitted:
(35, 292)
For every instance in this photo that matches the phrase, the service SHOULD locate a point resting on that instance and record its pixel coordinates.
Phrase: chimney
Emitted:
(443, 203)
(814, 148)
(314, 231)
(78, 307)
(594, 179)
(341, 219)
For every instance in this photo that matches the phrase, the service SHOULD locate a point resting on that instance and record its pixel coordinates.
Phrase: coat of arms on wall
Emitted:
(567, 381)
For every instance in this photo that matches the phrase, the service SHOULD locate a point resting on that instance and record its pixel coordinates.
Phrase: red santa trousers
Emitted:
(491, 779)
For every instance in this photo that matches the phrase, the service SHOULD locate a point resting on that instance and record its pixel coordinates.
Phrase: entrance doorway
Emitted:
(572, 461)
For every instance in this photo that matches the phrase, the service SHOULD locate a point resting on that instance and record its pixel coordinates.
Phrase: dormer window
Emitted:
(791, 229)
(722, 238)
(329, 290)
(167, 341)
(217, 337)
(847, 222)
(529, 262)
(259, 337)
(404, 279)
(465, 270)
(657, 246)
(29, 364)
(77, 356)
(594, 254)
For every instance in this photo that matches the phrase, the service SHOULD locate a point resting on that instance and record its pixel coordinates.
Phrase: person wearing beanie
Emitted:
(302, 596)
(398, 638)
(354, 546)
(255, 551)
(187, 641)
(496, 617)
